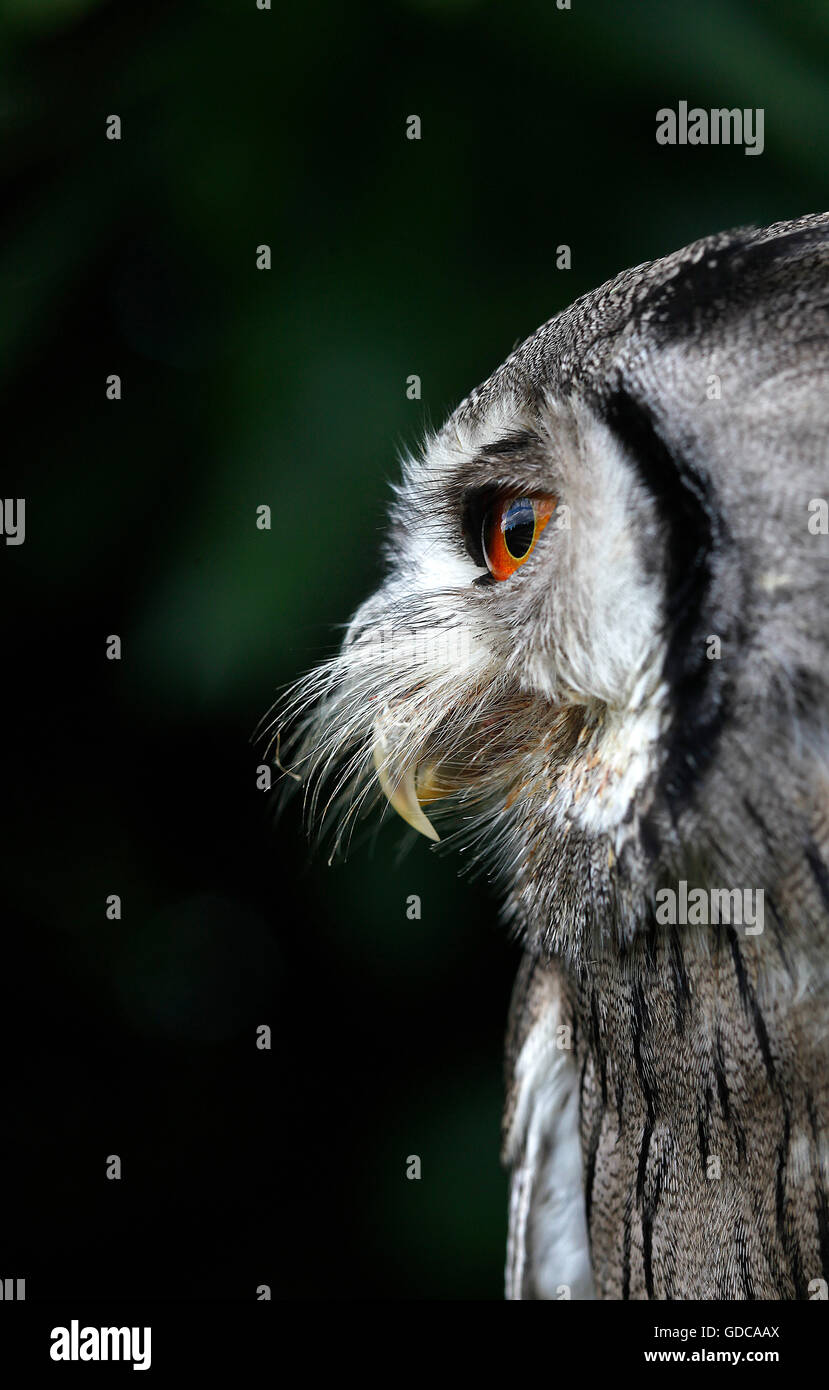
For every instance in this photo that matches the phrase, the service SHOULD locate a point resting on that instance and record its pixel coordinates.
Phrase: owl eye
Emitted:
(510, 529)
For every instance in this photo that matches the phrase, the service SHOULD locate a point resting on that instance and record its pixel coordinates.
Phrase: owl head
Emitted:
(601, 651)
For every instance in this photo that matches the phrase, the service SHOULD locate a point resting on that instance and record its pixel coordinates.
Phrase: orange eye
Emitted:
(510, 530)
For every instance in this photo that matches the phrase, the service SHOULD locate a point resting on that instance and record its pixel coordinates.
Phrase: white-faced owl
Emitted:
(600, 663)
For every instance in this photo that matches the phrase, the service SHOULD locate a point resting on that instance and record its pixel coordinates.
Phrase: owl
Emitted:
(599, 665)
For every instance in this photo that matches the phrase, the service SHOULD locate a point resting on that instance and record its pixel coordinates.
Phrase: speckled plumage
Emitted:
(668, 1095)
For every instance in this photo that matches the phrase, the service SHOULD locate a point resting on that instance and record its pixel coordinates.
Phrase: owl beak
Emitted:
(402, 792)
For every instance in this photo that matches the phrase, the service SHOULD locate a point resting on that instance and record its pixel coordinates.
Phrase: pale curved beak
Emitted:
(401, 791)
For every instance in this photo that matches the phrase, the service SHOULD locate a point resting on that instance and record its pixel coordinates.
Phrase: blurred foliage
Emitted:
(287, 387)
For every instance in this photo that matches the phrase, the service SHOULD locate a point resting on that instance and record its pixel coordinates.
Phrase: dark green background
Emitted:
(287, 387)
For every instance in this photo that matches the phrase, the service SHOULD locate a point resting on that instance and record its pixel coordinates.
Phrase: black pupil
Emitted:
(519, 528)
